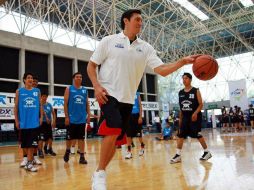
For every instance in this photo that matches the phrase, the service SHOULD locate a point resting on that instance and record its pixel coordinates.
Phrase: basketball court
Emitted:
(231, 166)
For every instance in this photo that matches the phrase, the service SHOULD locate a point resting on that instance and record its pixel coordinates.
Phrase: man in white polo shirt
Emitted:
(123, 58)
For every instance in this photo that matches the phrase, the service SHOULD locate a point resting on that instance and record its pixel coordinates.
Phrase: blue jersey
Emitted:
(135, 108)
(29, 108)
(77, 105)
(47, 108)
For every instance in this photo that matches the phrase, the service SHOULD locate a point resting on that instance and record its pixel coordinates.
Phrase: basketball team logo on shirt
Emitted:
(186, 105)
(35, 93)
(78, 99)
(118, 45)
(29, 102)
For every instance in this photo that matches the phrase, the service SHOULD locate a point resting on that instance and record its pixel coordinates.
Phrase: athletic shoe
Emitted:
(30, 167)
(72, 150)
(141, 152)
(175, 159)
(99, 180)
(51, 152)
(207, 155)
(66, 156)
(45, 150)
(40, 153)
(36, 161)
(82, 160)
(128, 155)
(24, 162)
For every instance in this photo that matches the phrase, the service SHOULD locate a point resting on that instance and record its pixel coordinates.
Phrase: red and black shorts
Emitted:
(29, 138)
(45, 132)
(115, 118)
(134, 129)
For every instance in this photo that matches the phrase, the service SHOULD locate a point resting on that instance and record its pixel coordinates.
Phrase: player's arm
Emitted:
(66, 99)
(169, 68)
(140, 110)
(99, 92)
(16, 109)
(88, 111)
(199, 108)
(53, 117)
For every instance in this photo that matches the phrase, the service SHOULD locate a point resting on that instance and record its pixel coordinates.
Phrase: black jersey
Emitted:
(251, 112)
(188, 101)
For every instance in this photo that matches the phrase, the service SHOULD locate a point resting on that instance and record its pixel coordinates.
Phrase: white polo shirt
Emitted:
(123, 65)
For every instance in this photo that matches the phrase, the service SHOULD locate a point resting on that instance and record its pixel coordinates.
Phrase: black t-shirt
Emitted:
(251, 112)
(188, 101)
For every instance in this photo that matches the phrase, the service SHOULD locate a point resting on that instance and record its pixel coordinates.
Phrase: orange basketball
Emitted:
(205, 67)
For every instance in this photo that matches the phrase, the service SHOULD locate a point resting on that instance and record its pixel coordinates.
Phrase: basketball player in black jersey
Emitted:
(190, 118)
(251, 115)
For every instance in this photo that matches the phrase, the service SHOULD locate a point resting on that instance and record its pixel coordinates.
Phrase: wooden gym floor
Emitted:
(231, 167)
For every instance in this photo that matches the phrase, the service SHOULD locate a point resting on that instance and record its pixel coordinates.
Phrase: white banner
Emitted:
(150, 105)
(238, 94)
(7, 100)
(7, 105)
(7, 113)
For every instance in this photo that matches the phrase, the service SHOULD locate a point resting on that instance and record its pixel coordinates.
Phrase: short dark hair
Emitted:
(187, 75)
(25, 76)
(44, 92)
(35, 77)
(77, 73)
(128, 14)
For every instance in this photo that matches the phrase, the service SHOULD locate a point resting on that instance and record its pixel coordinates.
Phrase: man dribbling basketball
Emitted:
(190, 118)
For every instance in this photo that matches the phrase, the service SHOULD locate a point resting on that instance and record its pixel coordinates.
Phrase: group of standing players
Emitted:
(233, 120)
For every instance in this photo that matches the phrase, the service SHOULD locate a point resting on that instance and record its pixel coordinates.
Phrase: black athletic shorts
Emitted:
(251, 118)
(115, 118)
(45, 132)
(190, 128)
(75, 131)
(29, 137)
(134, 129)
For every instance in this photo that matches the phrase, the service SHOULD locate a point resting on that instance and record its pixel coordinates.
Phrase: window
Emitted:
(62, 70)
(9, 63)
(37, 64)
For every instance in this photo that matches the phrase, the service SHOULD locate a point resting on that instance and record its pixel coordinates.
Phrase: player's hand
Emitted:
(189, 59)
(140, 121)
(88, 120)
(100, 94)
(17, 125)
(194, 117)
(67, 121)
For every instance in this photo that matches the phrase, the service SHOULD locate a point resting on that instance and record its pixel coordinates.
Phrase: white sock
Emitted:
(25, 158)
(206, 150)
(178, 151)
(36, 157)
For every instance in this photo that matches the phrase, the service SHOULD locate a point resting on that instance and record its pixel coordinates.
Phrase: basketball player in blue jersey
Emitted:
(190, 120)
(76, 109)
(27, 118)
(48, 122)
(135, 127)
